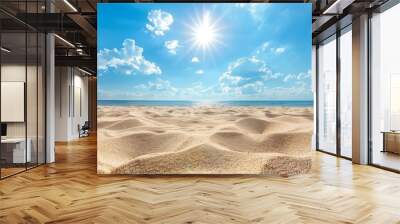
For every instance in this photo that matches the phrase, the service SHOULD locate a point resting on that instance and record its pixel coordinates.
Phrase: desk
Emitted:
(391, 141)
(15, 148)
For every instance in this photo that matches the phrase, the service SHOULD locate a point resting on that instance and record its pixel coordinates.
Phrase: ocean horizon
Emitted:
(269, 103)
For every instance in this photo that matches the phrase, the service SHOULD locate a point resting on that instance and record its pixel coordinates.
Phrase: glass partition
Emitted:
(346, 92)
(385, 89)
(327, 95)
(41, 97)
(13, 108)
(22, 77)
(31, 99)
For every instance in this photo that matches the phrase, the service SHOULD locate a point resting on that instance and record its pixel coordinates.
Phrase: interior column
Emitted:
(360, 90)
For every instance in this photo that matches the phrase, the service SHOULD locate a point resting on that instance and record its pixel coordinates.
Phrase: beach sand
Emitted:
(204, 140)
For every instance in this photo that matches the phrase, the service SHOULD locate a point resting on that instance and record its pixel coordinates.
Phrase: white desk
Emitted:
(19, 153)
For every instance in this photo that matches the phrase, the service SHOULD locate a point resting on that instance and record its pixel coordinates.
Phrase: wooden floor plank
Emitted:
(70, 191)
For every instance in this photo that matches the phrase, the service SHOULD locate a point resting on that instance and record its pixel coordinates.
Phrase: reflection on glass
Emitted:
(14, 153)
(385, 89)
(327, 96)
(346, 93)
(22, 91)
(394, 102)
(31, 101)
(41, 99)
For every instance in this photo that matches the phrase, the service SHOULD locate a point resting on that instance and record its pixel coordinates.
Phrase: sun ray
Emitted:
(205, 32)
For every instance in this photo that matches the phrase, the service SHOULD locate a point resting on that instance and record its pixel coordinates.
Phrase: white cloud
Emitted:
(304, 75)
(267, 47)
(264, 46)
(277, 75)
(128, 60)
(280, 50)
(300, 77)
(256, 87)
(289, 77)
(197, 90)
(243, 75)
(159, 22)
(118, 95)
(299, 90)
(251, 78)
(199, 72)
(237, 87)
(157, 88)
(195, 60)
(163, 89)
(172, 46)
(161, 84)
(256, 10)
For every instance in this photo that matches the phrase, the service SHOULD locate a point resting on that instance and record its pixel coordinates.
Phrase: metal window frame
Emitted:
(387, 5)
(338, 33)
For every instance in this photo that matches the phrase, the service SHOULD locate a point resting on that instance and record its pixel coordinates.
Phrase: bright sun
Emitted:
(204, 32)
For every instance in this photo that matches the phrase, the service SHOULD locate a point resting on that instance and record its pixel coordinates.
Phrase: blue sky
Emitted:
(249, 51)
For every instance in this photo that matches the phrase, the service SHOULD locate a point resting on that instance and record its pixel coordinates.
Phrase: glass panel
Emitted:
(32, 89)
(346, 93)
(31, 100)
(327, 96)
(13, 87)
(386, 89)
(23, 90)
(41, 99)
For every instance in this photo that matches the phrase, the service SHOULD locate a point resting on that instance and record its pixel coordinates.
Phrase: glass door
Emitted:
(327, 95)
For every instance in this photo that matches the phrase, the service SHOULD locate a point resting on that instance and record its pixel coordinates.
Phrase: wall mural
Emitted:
(194, 88)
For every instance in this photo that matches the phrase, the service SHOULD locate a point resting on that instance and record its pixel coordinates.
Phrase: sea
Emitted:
(185, 103)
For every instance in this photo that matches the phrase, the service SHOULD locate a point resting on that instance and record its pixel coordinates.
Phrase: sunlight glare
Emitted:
(204, 32)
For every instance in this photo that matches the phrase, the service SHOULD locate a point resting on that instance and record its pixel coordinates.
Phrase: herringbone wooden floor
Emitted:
(70, 191)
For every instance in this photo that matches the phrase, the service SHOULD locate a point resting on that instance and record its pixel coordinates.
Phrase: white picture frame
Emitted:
(12, 101)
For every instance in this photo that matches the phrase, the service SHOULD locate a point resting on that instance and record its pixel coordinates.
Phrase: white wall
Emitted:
(61, 103)
(70, 84)
(17, 73)
(12, 73)
(80, 115)
(33, 127)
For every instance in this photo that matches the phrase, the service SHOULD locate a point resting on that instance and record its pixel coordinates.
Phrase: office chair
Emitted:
(84, 130)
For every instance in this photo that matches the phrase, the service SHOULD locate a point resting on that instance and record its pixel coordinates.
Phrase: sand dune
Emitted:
(125, 124)
(204, 140)
(260, 126)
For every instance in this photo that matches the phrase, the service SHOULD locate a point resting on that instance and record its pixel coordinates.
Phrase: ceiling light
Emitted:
(5, 50)
(79, 51)
(65, 41)
(70, 5)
